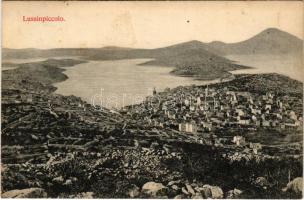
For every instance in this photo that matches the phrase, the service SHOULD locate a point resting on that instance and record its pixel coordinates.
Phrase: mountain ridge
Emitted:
(283, 39)
(192, 58)
(268, 41)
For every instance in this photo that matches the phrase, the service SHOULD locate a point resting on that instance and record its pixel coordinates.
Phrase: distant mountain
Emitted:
(45, 53)
(193, 58)
(269, 41)
(187, 53)
(189, 58)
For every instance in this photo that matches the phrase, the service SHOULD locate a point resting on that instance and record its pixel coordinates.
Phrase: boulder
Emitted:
(34, 137)
(152, 188)
(180, 196)
(68, 182)
(74, 179)
(25, 193)
(213, 192)
(39, 174)
(217, 192)
(296, 186)
(85, 195)
(197, 196)
(58, 179)
(206, 192)
(133, 191)
(190, 189)
(185, 191)
(261, 182)
(234, 194)
(167, 150)
(173, 182)
(175, 187)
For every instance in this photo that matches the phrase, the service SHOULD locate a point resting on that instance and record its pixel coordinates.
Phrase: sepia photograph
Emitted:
(152, 99)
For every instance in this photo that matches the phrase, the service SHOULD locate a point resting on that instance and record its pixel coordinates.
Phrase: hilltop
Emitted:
(40, 74)
(269, 41)
(263, 83)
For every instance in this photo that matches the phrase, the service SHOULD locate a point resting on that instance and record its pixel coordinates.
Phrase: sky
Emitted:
(144, 24)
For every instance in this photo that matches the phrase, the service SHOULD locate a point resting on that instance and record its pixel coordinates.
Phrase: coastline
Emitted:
(51, 71)
(65, 128)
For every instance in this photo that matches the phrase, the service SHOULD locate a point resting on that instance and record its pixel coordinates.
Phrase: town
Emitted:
(207, 109)
(210, 109)
(174, 140)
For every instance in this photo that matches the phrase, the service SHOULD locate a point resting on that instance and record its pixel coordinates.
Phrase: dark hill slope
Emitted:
(263, 83)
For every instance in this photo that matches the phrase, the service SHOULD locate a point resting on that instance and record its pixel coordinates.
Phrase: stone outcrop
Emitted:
(134, 191)
(296, 186)
(190, 189)
(85, 195)
(261, 182)
(152, 188)
(234, 194)
(213, 192)
(25, 193)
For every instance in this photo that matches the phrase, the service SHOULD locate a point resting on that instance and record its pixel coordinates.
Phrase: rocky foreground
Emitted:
(60, 146)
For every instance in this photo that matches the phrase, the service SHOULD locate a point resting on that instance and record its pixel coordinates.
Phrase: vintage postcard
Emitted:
(178, 100)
